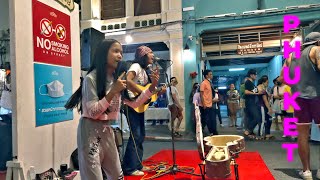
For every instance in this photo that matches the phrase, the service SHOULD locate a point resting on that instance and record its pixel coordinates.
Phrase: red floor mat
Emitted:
(2, 175)
(251, 166)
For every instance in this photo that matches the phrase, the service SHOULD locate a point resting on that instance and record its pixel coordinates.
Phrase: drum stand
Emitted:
(202, 168)
(236, 170)
(235, 165)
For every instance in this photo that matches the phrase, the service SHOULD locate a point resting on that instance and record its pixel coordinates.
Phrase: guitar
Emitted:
(153, 98)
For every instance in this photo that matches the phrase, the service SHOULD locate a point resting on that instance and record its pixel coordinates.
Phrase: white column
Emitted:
(177, 70)
(164, 10)
(129, 8)
(175, 5)
(96, 9)
(86, 10)
(164, 5)
(173, 11)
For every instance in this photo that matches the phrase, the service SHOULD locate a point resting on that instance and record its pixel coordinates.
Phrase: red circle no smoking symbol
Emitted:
(46, 27)
(61, 32)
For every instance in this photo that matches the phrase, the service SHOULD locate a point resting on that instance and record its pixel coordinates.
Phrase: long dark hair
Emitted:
(99, 64)
(263, 79)
(193, 91)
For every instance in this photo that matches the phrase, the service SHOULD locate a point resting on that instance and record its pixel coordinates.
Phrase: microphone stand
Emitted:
(174, 168)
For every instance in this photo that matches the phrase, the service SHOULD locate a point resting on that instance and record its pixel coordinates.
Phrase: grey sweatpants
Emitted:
(97, 150)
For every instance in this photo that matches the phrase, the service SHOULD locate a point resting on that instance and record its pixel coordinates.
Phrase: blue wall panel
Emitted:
(275, 66)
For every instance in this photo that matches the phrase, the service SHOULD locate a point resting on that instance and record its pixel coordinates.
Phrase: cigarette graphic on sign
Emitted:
(47, 29)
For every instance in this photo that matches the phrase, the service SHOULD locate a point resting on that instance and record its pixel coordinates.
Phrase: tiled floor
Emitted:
(2, 176)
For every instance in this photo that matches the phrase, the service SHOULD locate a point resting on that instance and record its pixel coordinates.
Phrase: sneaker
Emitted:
(318, 174)
(284, 136)
(137, 173)
(221, 125)
(146, 168)
(306, 175)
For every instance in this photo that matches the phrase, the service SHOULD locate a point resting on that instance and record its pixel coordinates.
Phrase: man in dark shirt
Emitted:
(252, 110)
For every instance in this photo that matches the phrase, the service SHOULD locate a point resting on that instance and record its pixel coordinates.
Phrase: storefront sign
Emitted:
(51, 35)
(250, 48)
(53, 87)
(69, 4)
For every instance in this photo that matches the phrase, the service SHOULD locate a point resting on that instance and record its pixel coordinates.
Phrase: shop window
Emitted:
(111, 9)
(144, 7)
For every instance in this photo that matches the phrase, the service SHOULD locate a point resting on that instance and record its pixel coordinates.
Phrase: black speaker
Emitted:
(90, 39)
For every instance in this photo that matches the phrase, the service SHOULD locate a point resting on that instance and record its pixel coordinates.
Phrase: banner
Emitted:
(52, 64)
(51, 35)
(53, 87)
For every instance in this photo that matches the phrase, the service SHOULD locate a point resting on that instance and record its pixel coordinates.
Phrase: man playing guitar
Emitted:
(137, 75)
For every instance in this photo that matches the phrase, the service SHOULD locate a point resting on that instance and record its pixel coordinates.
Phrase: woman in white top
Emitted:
(137, 75)
(233, 103)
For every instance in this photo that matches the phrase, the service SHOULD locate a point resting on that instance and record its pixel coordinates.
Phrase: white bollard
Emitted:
(15, 168)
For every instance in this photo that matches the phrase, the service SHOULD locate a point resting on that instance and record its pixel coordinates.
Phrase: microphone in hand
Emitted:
(156, 58)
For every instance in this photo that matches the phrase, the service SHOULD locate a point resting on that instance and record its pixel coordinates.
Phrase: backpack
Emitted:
(242, 90)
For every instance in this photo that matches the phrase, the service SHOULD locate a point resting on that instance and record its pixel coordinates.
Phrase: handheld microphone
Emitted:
(157, 58)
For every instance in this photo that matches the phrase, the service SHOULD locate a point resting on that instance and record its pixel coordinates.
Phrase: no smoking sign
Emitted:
(46, 29)
(51, 35)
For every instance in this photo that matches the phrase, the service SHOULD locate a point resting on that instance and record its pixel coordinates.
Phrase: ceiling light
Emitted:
(128, 39)
(222, 87)
(236, 69)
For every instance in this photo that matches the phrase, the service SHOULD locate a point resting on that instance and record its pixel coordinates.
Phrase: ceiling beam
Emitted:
(247, 66)
(268, 54)
(230, 74)
(227, 47)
